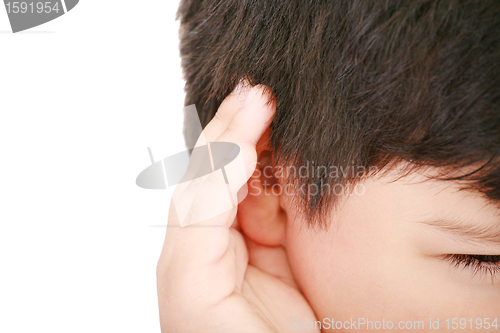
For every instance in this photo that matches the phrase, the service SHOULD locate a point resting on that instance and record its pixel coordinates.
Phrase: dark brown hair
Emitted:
(364, 83)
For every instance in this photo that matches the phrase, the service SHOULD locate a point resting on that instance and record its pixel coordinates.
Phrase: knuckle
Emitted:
(221, 117)
(232, 129)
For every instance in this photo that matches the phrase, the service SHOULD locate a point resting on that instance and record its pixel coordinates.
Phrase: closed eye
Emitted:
(479, 264)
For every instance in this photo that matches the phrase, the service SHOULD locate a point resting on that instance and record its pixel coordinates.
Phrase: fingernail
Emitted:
(239, 87)
(244, 91)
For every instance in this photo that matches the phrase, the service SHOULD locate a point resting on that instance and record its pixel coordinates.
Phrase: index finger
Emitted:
(244, 128)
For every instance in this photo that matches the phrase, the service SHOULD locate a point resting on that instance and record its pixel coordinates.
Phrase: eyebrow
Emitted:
(468, 231)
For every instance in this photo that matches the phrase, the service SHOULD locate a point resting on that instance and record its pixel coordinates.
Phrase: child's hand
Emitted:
(205, 281)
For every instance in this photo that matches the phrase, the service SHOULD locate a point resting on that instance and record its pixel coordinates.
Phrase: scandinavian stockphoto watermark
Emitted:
(27, 14)
(330, 180)
(364, 324)
(221, 165)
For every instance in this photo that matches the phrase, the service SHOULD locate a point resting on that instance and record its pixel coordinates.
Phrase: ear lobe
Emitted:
(260, 214)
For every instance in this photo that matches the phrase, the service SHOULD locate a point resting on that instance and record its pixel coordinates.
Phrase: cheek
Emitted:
(328, 268)
(349, 272)
(366, 271)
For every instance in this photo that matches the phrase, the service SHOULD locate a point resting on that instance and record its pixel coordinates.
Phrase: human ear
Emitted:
(260, 215)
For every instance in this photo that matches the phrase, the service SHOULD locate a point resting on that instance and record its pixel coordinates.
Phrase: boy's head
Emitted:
(391, 109)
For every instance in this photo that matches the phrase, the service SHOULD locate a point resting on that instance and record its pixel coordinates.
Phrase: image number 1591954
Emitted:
(27, 14)
(16, 7)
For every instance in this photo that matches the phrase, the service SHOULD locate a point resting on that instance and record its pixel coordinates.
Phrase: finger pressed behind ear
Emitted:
(197, 255)
(248, 124)
(205, 197)
(214, 196)
(228, 108)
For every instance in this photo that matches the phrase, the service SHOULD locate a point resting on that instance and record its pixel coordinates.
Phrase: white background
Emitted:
(81, 99)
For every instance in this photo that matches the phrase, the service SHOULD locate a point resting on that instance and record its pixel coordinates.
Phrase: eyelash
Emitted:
(481, 264)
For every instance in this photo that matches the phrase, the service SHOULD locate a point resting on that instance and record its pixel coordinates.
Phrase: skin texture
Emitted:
(259, 268)
(378, 261)
(363, 83)
(210, 277)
